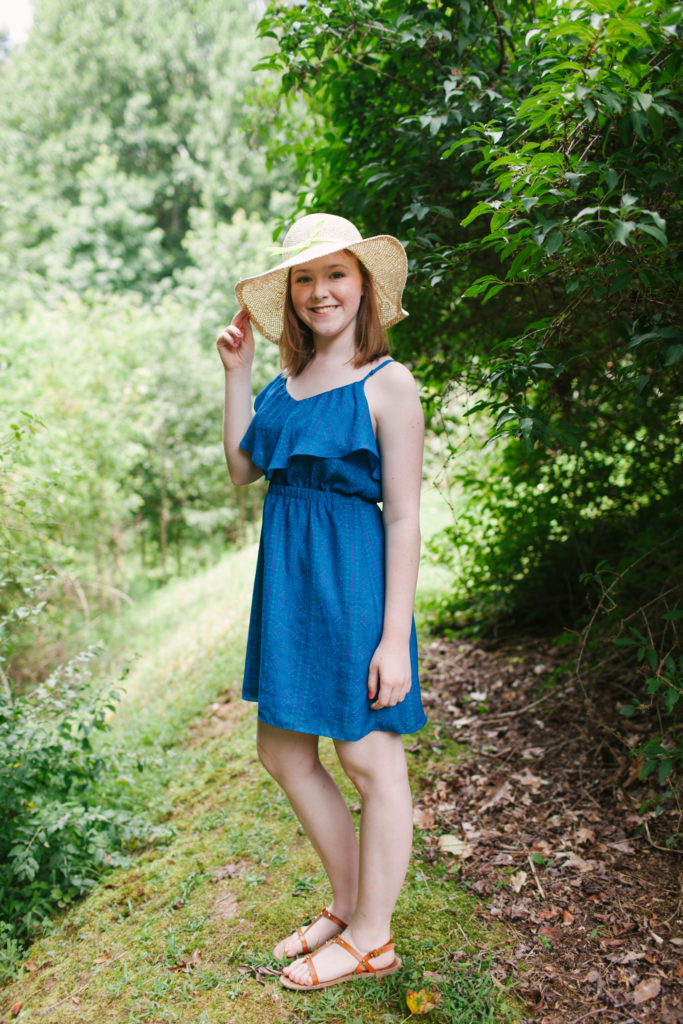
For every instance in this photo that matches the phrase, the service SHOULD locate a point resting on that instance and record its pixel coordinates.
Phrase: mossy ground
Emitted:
(185, 933)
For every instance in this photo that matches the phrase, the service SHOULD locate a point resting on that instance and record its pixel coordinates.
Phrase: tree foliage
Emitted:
(133, 195)
(529, 154)
(138, 123)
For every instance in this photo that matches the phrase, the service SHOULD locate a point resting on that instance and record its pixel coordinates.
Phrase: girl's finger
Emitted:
(373, 682)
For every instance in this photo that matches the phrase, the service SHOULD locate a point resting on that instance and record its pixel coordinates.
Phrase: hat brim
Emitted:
(263, 296)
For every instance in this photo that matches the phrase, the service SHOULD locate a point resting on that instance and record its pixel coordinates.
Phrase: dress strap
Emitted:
(375, 370)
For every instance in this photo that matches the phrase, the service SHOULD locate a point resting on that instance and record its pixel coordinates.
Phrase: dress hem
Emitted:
(328, 735)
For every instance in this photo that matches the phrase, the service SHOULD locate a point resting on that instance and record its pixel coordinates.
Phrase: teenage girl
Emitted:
(332, 648)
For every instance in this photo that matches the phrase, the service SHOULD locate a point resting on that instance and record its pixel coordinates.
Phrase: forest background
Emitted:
(529, 156)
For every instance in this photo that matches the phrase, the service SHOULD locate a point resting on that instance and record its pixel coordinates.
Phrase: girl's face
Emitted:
(326, 294)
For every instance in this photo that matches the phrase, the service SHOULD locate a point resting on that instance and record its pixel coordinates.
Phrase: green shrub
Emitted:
(66, 799)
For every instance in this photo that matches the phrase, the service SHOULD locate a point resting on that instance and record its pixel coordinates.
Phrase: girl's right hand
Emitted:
(236, 343)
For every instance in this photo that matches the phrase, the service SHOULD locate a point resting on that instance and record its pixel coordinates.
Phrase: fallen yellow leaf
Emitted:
(423, 1001)
(453, 844)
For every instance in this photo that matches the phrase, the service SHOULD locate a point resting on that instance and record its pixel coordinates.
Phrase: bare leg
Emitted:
(376, 765)
(292, 759)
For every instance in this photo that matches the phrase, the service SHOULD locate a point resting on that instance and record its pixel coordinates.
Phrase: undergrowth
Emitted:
(67, 813)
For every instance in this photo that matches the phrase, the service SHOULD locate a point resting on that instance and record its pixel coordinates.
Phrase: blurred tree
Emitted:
(117, 120)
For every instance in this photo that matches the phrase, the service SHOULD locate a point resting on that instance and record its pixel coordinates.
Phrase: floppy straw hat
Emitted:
(320, 234)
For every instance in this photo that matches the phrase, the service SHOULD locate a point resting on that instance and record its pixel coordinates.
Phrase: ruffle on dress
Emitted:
(337, 426)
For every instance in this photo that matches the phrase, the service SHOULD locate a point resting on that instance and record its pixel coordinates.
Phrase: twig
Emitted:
(599, 1009)
(519, 711)
(655, 846)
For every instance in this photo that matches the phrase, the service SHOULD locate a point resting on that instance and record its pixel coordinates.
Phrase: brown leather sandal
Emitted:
(364, 968)
(301, 932)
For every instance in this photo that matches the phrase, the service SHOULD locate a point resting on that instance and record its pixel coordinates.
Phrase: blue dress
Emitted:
(318, 603)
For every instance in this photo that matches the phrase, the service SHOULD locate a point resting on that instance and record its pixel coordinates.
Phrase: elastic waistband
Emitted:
(315, 494)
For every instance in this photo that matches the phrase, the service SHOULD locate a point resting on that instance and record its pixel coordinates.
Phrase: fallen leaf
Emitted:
(502, 795)
(436, 976)
(527, 778)
(232, 870)
(185, 966)
(258, 971)
(452, 844)
(572, 860)
(567, 917)
(423, 818)
(29, 966)
(646, 989)
(517, 880)
(102, 958)
(423, 1001)
(15, 1009)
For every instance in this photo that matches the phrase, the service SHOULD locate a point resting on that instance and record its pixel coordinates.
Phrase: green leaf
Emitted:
(553, 242)
(622, 229)
(643, 100)
(611, 178)
(477, 211)
(657, 233)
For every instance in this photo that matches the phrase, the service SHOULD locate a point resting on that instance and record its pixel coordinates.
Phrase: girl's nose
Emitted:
(319, 288)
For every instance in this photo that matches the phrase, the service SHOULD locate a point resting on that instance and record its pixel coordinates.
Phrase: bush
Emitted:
(66, 799)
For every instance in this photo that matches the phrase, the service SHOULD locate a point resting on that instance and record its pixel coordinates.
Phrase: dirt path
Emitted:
(549, 810)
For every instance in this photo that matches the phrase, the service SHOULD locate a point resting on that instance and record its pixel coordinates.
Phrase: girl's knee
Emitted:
(376, 761)
(283, 754)
(268, 758)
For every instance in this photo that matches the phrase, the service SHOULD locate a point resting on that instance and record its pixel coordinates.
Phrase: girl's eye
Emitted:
(301, 280)
(338, 273)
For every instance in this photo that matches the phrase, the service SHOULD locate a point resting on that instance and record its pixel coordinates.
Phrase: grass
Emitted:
(185, 934)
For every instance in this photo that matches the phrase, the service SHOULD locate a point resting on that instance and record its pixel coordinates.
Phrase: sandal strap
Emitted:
(309, 963)
(301, 932)
(331, 917)
(364, 965)
(301, 936)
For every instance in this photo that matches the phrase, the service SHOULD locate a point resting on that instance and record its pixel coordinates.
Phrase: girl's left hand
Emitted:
(390, 675)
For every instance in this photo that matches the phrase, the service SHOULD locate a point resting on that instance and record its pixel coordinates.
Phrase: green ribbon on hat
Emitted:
(294, 250)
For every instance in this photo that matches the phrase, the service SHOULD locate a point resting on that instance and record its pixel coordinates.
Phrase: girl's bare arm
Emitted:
(236, 349)
(397, 412)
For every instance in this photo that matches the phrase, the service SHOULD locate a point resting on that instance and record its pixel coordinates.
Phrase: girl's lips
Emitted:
(322, 310)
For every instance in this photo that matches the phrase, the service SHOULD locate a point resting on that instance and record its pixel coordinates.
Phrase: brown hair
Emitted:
(296, 342)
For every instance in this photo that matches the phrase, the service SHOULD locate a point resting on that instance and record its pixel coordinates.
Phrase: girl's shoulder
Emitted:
(393, 380)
